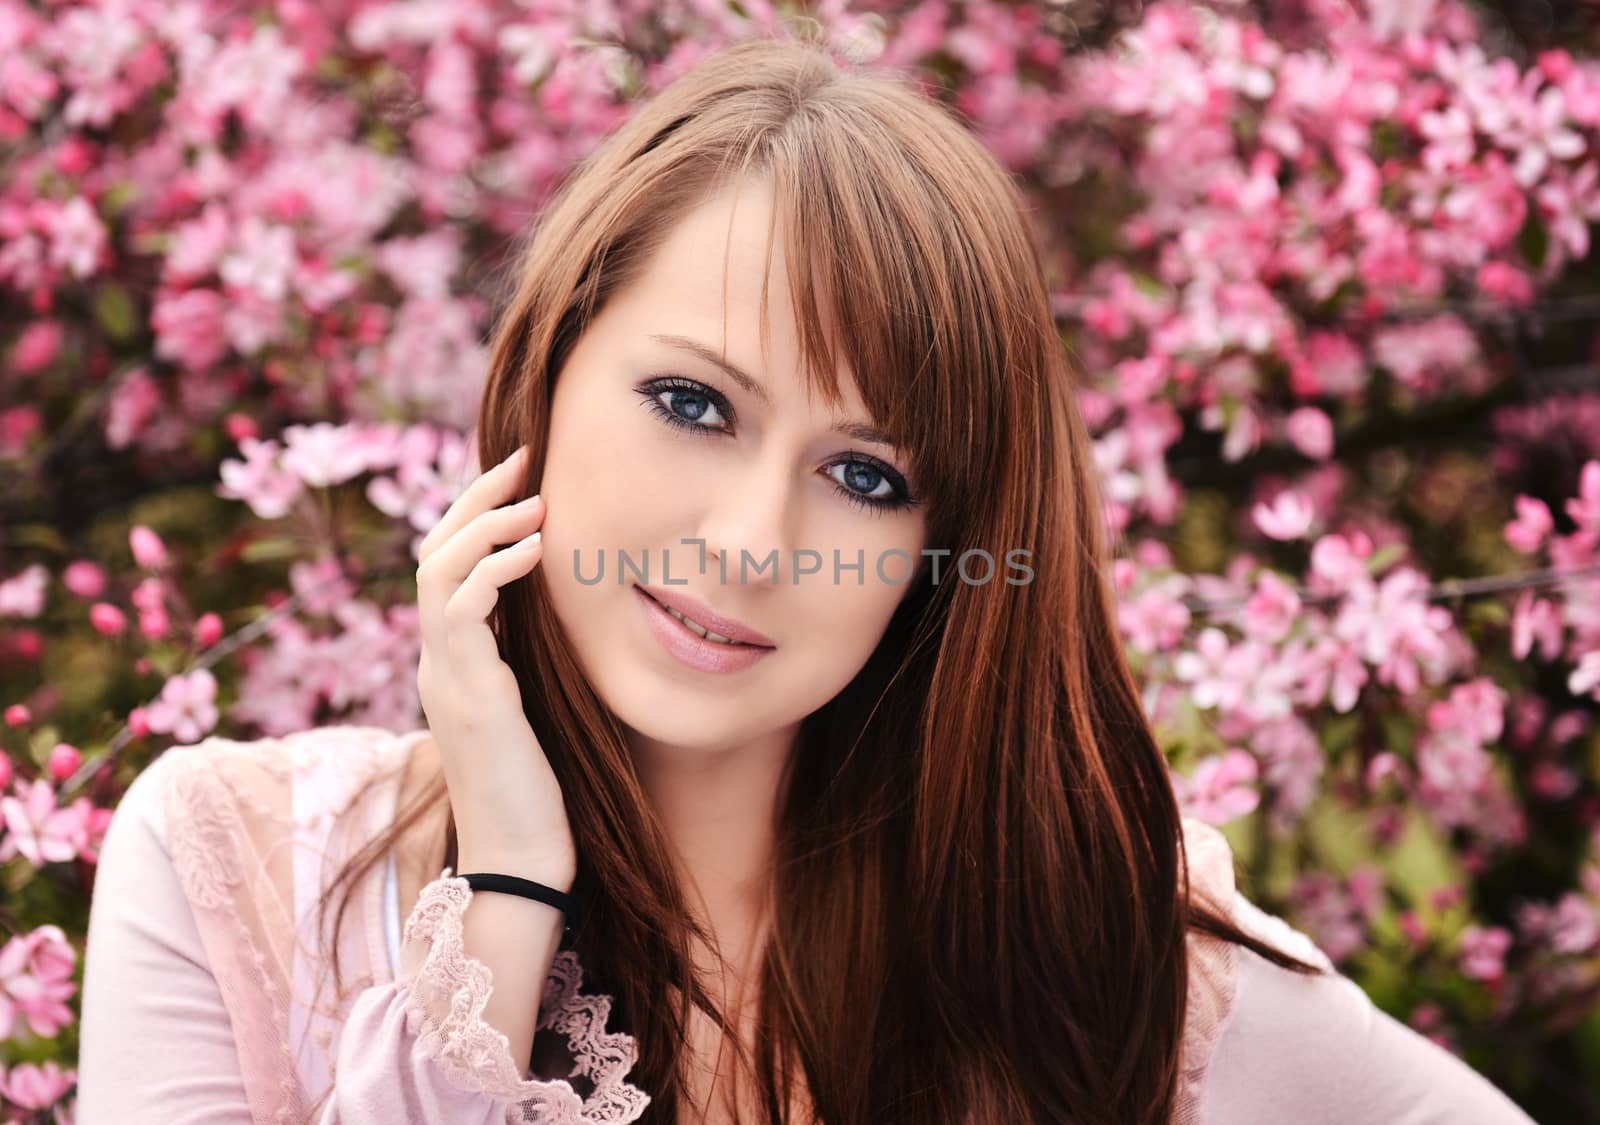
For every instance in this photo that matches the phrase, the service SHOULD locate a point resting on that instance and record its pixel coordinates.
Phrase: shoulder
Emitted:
(1319, 1050)
(1219, 970)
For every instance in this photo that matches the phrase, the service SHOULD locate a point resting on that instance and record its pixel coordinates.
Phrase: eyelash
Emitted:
(650, 394)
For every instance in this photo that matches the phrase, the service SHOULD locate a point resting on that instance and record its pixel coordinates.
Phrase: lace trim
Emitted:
(1213, 968)
(204, 836)
(477, 1058)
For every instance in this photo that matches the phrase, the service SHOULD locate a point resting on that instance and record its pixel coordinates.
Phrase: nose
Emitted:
(746, 526)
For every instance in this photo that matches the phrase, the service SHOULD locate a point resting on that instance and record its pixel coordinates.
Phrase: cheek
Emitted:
(846, 620)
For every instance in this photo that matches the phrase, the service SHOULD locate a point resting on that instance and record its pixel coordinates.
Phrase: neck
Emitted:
(718, 810)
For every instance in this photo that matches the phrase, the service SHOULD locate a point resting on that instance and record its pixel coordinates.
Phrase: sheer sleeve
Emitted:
(437, 975)
(1318, 1051)
(161, 1038)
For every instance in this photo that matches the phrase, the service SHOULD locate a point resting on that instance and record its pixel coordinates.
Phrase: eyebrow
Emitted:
(860, 431)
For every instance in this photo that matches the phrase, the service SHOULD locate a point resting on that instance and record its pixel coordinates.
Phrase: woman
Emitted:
(892, 844)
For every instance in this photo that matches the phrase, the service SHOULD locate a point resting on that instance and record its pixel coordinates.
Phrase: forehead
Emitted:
(705, 281)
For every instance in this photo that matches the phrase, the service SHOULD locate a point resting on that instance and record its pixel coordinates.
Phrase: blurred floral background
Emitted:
(1325, 268)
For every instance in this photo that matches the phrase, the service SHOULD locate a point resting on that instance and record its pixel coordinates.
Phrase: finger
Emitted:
(492, 488)
(470, 642)
(447, 568)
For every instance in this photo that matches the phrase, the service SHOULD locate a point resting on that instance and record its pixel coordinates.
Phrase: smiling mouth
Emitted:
(698, 629)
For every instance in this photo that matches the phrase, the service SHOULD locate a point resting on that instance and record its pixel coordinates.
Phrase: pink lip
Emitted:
(702, 615)
(693, 650)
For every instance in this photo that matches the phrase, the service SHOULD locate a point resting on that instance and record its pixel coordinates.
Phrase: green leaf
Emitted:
(119, 196)
(114, 311)
(41, 742)
(1488, 611)
(1533, 240)
(1385, 557)
(1148, 286)
(271, 549)
(1589, 1038)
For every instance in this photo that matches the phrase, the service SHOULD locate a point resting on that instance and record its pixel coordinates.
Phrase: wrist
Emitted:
(558, 873)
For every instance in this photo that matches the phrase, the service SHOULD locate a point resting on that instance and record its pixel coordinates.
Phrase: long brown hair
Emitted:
(978, 914)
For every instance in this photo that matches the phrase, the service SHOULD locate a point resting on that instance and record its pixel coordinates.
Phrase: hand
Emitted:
(507, 803)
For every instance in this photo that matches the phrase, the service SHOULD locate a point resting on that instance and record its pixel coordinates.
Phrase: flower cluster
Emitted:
(249, 254)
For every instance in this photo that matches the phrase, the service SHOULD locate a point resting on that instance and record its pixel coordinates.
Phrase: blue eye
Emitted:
(869, 486)
(685, 404)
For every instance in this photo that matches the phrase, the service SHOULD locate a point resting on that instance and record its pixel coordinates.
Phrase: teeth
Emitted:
(700, 630)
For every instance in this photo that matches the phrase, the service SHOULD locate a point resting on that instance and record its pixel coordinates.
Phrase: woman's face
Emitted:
(652, 444)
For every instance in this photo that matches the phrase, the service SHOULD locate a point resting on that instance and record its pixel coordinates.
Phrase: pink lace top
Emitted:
(208, 997)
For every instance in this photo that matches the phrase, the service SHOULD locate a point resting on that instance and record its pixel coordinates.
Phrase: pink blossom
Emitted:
(1575, 925)
(324, 454)
(36, 829)
(1222, 788)
(1332, 670)
(1585, 678)
(1397, 630)
(1421, 354)
(262, 259)
(1553, 782)
(259, 480)
(1475, 708)
(84, 579)
(430, 470)
(1526, 533)
(1501, 281)
(134, 403)
(1204, 668)
(18, 426)
(64, 761)
(1414, 929)
(77, 237)
(36, 981)
(1156, 620)
(23, 594)
(17, 715)
(107, 620)
(1451, 763)
(37, 347)
(1384, 765)
(149, 553)
(1541, 135)
(240, 426)
(1326, 909)
(1311, 432)
(1535, 621)
(1337, 563)
(1288, 516)
(1293, 762)
(1483, 951)
(1272, 609)
(197, 245)
(1330, 363)
(149, 595)
(90, 823)
(35, 1086)
(188, 327)
(251, 321)
(187, 706)
(1585, 509)
(154, 624)
(1450, 139)
(208, 630)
